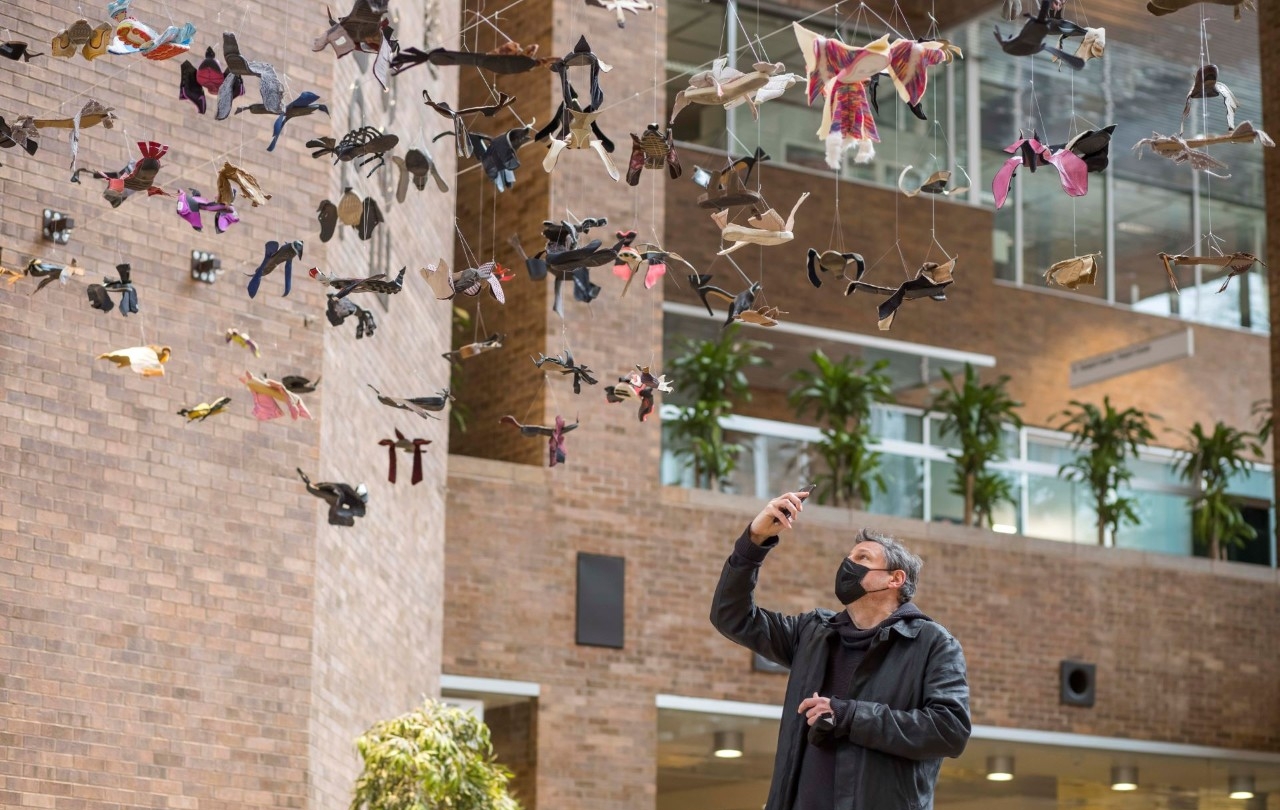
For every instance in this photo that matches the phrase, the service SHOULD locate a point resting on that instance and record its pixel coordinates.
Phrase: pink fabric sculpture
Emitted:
(1029, 152)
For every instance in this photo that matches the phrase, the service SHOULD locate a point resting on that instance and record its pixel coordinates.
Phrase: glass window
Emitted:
(904, 482)
(690, 774)
(1058, 509)
(1165, 523)
(1155, 220)
(1049, 451)
(892, 423)
(790, 464)
(945, 506)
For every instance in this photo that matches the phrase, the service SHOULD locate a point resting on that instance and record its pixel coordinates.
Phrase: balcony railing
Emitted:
(778, 456)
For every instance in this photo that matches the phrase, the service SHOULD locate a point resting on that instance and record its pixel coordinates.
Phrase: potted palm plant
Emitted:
(437, 757)
(711, 380)
(841, 393)
(976, 414)
(1105, 439)
(1208, 463)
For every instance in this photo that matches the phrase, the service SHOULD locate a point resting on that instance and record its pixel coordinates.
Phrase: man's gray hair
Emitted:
(897, 557)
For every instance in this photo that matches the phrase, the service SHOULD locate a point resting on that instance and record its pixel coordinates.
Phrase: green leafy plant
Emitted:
(710, 380)
(437, 757)
(1105, 439)
(459, 413)
(842, 393)
(1208, 463)
(976, 414)
(1261, 410)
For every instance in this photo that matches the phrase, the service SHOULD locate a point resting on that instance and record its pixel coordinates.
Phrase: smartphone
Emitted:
(806, 490)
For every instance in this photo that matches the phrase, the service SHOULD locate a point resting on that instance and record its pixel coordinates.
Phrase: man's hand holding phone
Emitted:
(779, 514)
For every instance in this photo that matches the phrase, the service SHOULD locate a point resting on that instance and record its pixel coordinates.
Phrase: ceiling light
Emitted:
(1240, 787)
(728, 744)
(1000, 768)
(1124, 777)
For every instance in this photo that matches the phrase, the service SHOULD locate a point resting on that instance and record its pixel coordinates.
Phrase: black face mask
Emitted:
(849, 581)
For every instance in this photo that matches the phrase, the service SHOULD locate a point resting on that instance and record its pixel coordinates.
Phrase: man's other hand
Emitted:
(814, 707)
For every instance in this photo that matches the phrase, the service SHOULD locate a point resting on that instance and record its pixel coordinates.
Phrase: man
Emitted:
(877, 694)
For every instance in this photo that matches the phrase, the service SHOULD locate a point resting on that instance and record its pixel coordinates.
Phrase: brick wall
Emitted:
(159, 638)
(158, 576)
(378, 600)
(1184, 647)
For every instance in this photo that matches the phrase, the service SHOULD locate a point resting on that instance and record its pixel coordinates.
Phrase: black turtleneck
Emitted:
(815, 788)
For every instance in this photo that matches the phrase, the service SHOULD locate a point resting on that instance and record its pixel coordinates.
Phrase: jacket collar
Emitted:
(910, 619)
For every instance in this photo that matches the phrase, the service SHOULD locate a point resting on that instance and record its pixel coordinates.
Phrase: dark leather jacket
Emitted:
(910, 705)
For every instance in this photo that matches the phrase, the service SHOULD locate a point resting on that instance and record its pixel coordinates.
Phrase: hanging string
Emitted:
(862, 6)
(1071, 133)
(1211, 241)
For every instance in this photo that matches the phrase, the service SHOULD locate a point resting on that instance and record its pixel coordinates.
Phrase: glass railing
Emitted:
(918, 472)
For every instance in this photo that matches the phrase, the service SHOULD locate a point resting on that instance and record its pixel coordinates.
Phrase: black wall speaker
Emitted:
(1078, 683)
(600, 600)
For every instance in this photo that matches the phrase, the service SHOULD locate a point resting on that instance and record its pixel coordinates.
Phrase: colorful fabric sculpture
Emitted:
(639, 384)
(132, 36)
(201, 412)
(139, 175)
(267, 396)
(240, 338)
(1030, 153)
(145, 360)
(191, 205)
(653, 258)
(554, 434)
(838, 73)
